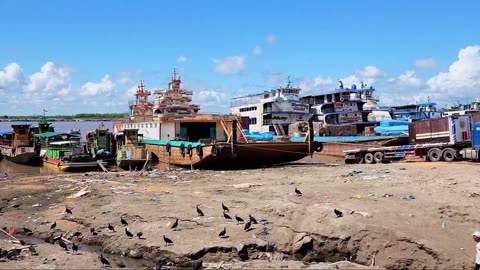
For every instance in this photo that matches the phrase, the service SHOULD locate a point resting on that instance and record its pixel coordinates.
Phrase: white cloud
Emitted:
(462, 80)
(51, 79)
(271, 39)
(182, 59)
(209, 98)
(125, 77)
(12, 77)
(257, 50)
(370, 72)
(407, 79)
(230, 65)
(426, 63)
(104, 87)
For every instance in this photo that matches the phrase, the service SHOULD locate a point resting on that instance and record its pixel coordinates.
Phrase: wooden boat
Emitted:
(132, 153)
(101, 144)
(175, 134)
(16, 145)
(61, 151)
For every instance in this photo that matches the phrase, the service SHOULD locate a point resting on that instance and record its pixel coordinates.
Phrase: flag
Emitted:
(45, 110)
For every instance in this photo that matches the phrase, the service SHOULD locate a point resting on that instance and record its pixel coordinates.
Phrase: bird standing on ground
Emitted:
(168, 241)
(247, 226)
(298, 192)
(174, 225)
(225, 208)
(77, 234)
(338, 213)
(223, 233)
(226, 216)
(68, 210)
(27, 231)
(123, 221)
(104, 261)
(252, 219)
(128, 233)
(54, 224)
(239, 219)
(139, 235)
(111, 228)
(199, 211)
(74, 248)
(63, 245)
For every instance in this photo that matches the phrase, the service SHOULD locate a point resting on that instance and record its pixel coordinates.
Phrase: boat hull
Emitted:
(132, 164)
(59, 165)
(221, 156)
(20, 155)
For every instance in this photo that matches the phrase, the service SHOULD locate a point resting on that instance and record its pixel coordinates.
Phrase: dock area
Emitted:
(399, 215)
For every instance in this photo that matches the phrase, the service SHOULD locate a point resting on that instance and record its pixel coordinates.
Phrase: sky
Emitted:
(89, 56)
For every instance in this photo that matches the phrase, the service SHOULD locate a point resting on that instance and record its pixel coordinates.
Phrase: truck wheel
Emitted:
(378, 157)
(435, 154)
(449, 154)
(369, 158)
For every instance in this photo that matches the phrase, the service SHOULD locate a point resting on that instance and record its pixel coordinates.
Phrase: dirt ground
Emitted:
(396, 216)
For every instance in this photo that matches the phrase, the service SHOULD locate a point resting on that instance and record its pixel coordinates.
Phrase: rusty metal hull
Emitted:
(221, 156)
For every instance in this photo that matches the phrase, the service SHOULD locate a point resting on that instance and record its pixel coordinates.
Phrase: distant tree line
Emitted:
(80, 116)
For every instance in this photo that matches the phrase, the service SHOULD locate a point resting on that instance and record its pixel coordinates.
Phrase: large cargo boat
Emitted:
(176, 134)
(271, 111)
(64, 152)
(17, 145)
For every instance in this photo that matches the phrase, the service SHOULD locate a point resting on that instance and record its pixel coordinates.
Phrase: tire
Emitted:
(369, 158)
(435, 154)
(449, 154)
(378, 157)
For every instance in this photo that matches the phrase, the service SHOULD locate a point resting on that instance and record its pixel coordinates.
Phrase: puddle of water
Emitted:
(97, 250)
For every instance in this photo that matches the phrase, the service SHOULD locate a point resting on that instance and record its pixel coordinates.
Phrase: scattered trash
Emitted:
(409, 197)
(357, 196)
(84, 191)
(444, 226)
(402, 169)
(387, 195)
(327, 201)
(357, 171)
(473, 195)
(37, 205)
(155, 199)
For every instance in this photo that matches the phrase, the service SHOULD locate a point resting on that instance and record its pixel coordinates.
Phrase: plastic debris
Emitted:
(409, 197)
(84, 191)
(37, 205)
(327, 201)
(444, 226)
(357, 171)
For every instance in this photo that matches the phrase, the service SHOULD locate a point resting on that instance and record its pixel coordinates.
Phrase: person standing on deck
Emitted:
(476, 238)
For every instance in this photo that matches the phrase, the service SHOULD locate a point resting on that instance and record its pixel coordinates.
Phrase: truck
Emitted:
(444, 139)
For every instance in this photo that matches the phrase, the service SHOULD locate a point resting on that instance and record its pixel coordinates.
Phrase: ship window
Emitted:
(253, 121)
(22, 132)
(151, 125)
(156, 125)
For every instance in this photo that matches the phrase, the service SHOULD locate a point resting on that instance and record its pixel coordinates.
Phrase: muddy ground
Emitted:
(395, 216)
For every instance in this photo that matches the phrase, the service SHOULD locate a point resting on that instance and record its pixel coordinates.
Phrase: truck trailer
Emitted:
(447, 139)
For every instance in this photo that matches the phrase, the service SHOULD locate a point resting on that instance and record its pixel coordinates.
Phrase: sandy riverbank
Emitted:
(295, 231)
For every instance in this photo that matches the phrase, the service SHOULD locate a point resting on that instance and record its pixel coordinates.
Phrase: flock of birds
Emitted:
(174, 226)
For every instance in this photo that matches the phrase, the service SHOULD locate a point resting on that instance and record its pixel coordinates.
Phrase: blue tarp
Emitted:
(391, 123)
(342, 138)
(392, 130)
(5, 132)
(256, 136)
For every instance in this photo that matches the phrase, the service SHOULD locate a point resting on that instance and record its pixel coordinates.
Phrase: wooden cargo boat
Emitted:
(60, 151)
(131, 154)
(16, 145)
(175, 134)
(101, 144)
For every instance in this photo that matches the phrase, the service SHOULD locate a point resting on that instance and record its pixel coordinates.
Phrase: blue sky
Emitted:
(87, 56)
